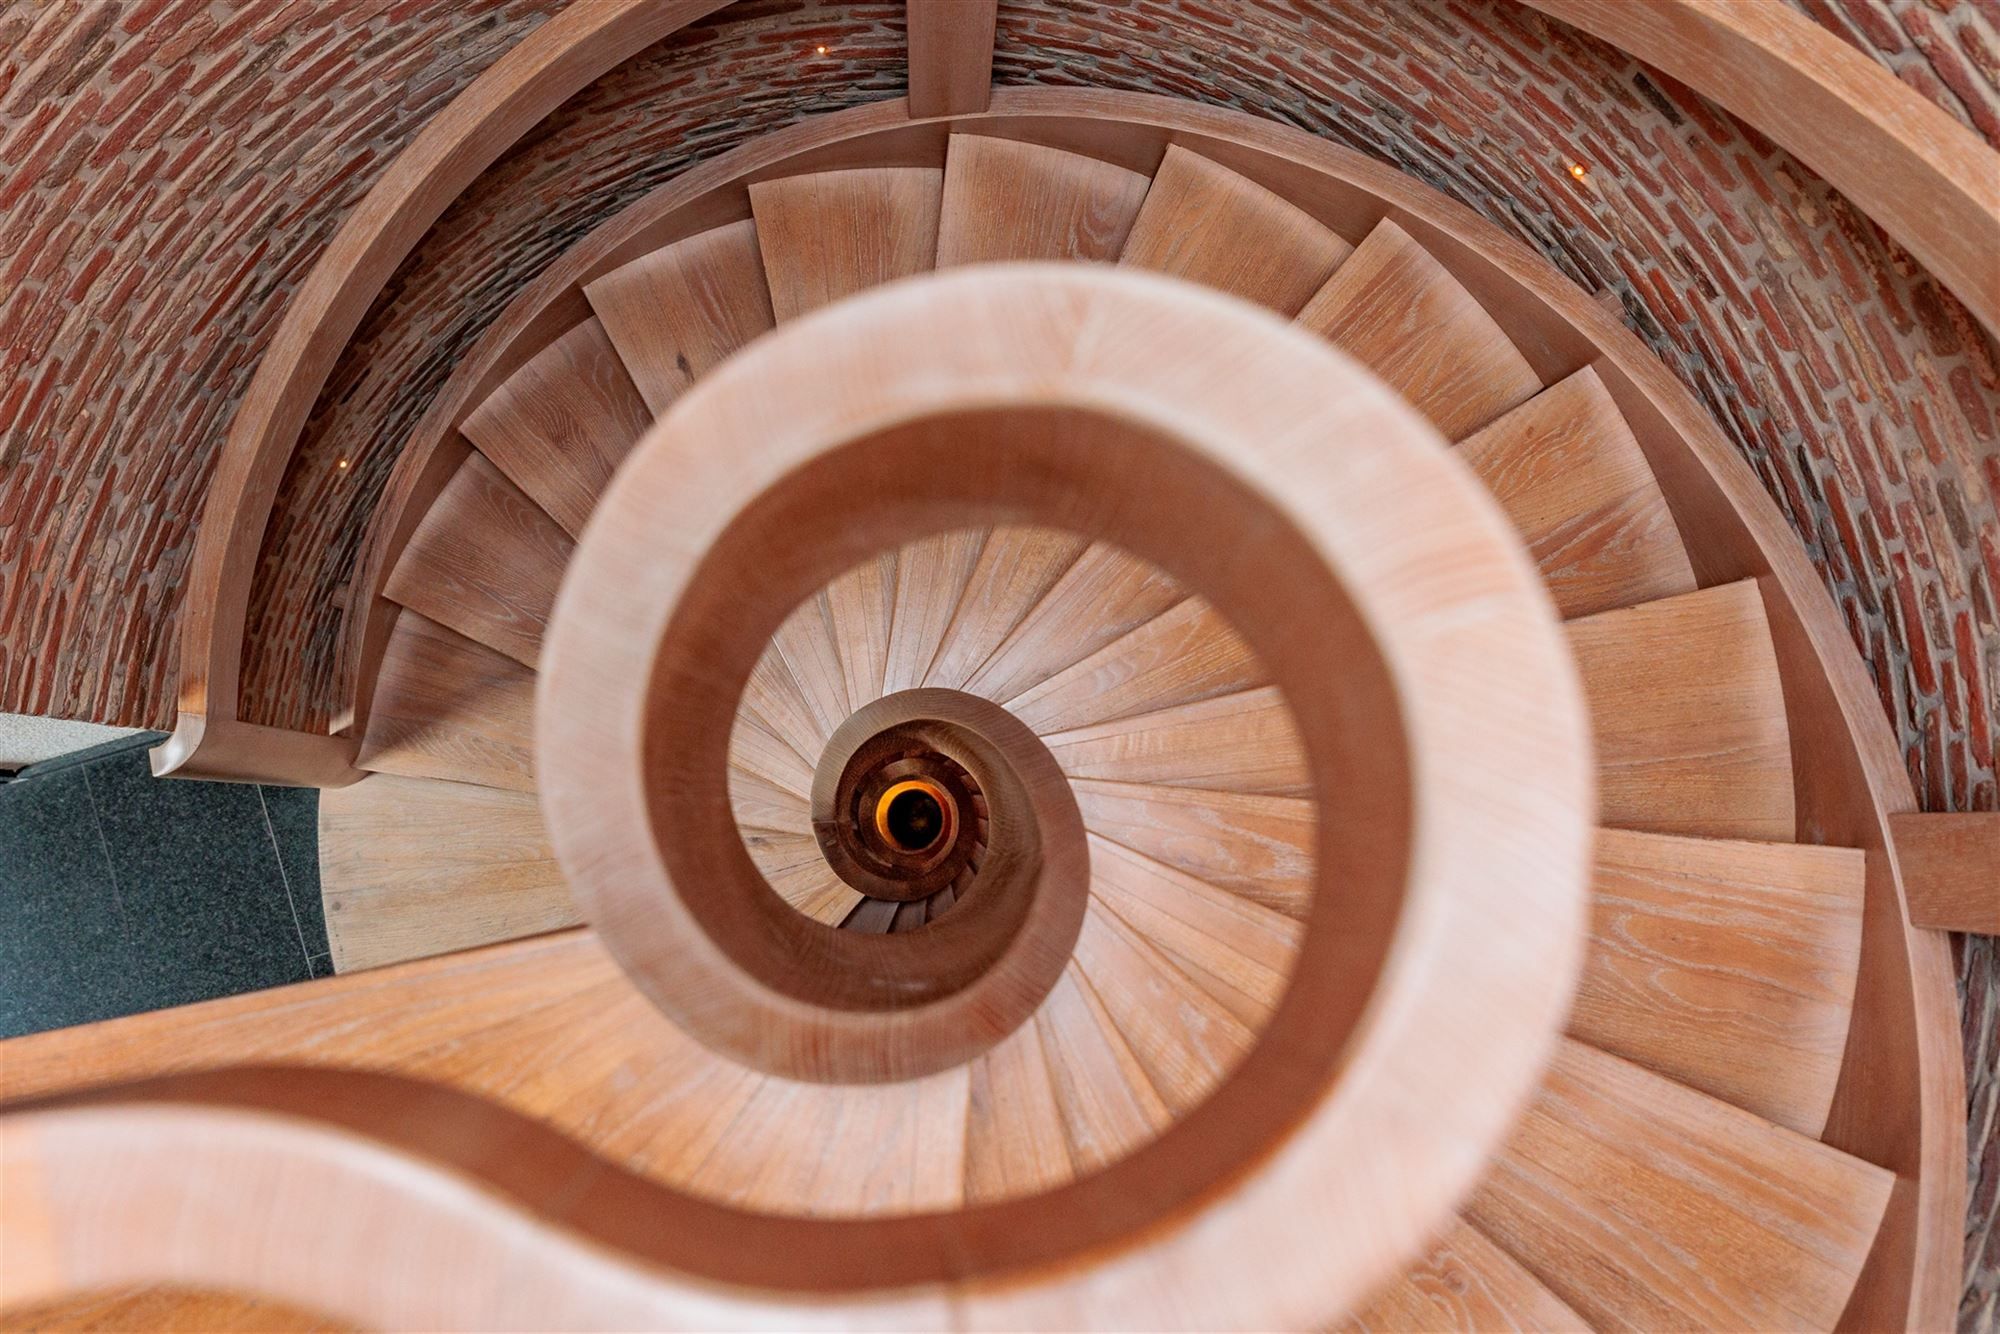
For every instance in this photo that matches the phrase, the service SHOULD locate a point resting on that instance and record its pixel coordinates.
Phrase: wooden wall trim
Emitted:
(951, 55)
(1951, 869)
(1931, 183)
(560, 58)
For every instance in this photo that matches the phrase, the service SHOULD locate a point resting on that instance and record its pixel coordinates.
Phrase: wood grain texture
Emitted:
(805, 641)
(1237, 743)
(486, 561)
(1951, 870)
(757, 750)
(772, 699)
(558, 427)
(1646, 1205)
(1258, 847)
(830, 234)
(675, 313)
(1727, 966)
(1689, 716)
(414, 867)
(859, 606)
(1015, 1139)
(1463, 1283)
(813, 889)
(1106, 594)
(1184, 655)
(1109, 1107)
(1017, 568)
(447, 707)
(159, 1308)
(759, 804)
(1566, 468)
(1205, 223)
(1007, 200)
(951, 56)
(931, 576)
(1394, 308)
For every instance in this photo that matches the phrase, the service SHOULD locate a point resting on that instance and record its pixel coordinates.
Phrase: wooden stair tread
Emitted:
(1463, 1283)
(1689, 716)
(773, 699)
(1566, 468)
(805, 641)
(1258, 847)
(412, 867)
(448, 707)
(830, 234)
(1237, 952)
(1005, 200)
(1186, 1041)
(486, 561)
(1235, 743)
(755, 749)
(931, 575)
(677, 312)
(1644, 1204)
(1017, 567)
(775, 850)
(758, 803)
(1015, 1141)
(1186, 654)
(1108, 1105)
(1205, 223)
(814, 889)
(559, 426)
(859, 605)
(1394, 308)
(1727, 966)
(1105, 594)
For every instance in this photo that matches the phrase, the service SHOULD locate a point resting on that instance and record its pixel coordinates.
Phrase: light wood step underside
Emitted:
(931, 577)
(831, 234)
(1260, 848)
(486, 561)
(755, 749)
(805, 641)
(772, 698)
(759, 804)
(413, 867)
(1689, 716)
(1566, 468)
(1727, 966)
(859, 605)
(1646, 1205)
(1184, 655)
(1237, 743)
(1017, 568)
(1109, 1107)
(1005, 200)
(1205, 223)
(561, 424)
(1015, 1141)
(447, 707)
(1395, 309)
(676, 313)
(1465, 1284)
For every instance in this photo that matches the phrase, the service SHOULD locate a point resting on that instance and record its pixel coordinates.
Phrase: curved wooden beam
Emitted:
(1930, 182)
(558, 59)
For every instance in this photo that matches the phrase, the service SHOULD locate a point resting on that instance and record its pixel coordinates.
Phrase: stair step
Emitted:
(773, 700)
(1203, 222)
(1237, 743)
(813, 889)
(760, 804)
(1644, 1204)
(1109, 1107)
(1394, 308)
(1261, 848)
(1689, 716)
(830, 234)
(1466, 1284)
(676, 313)
(773, 851)
(931, 576)
(1184, 1039)
(1016, 570)
(1106, 594)
(1235, 951)
(559, 426)
(805, 641)
(1006, 200)
(1183, 655)
(754, 749)
(486, 561)
(448, 707)
(1015, 1141)
(412, 867)
(859, 605)
(1727, 966)
(1566, 468)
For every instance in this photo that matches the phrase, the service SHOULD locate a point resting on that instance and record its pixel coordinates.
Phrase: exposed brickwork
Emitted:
(1948, 50)
(169, 170)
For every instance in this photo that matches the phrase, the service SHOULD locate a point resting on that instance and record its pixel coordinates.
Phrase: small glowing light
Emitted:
(1578, 170)
(820, 49)
(340, 464)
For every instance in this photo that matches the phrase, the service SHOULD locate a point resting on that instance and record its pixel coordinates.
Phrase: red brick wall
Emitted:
(1948, 50)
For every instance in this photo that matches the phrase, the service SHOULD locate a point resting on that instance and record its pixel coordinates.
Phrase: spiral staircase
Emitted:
(1079, 770)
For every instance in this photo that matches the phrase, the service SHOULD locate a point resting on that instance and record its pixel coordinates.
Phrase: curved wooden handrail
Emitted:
(564, 55)
(1932, 183)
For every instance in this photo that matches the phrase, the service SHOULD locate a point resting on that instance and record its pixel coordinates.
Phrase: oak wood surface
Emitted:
(1017, 568)
(1108, 1104)
(558, 427)
(1256, 846)
(859, 608)
(1005, 200)
(486, 561)
(448, 707)
(931, 576)
(1951, 870)
(831, 234)
(1016, 1143)
(1463, 1283)
(1237, 743)
(951, 56)
(1186, 654)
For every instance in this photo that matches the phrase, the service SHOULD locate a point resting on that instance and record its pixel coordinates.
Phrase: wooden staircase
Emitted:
(1668, 1170)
